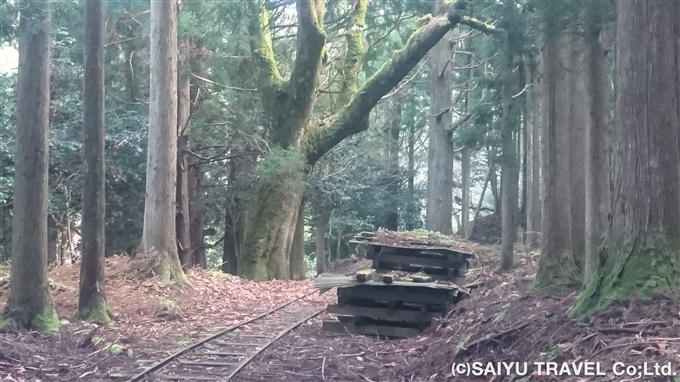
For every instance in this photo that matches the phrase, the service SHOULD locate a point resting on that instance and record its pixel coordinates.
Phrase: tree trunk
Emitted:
(182, 219)
(52, 240)
(498, 208)
(159, 239)
(392, 213)
(196, 208)
(289, 105)
(509, 173)
(29, 305)
(534, 165)
(411, 202)
(92, 305)
(556, 266)
(297, 252)
(239, 171)
(597, 146)
(465, 158)
(523, 144)
(578, 119)
(440, 150)
(642, 249)
(321, 228)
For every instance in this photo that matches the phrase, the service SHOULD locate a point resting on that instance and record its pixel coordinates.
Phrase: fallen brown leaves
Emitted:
(212, 301)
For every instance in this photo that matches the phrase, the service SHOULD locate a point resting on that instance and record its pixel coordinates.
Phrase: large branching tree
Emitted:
(297, 141)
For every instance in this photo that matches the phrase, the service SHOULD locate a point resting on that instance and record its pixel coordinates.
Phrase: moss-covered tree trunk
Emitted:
(642, 248)
(29, 305)
(159, 239)
(296, 140)
(92, 304)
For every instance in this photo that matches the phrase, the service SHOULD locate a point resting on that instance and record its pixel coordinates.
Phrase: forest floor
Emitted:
(502, 320)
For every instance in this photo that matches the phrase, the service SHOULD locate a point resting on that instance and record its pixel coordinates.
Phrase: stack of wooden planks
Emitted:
(411, 283)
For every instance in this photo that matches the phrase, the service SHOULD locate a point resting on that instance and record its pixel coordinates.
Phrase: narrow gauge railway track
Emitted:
(221, 356)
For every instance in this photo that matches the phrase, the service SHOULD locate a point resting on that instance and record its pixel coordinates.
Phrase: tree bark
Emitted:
(597, 146)
(159, 239)
(182, 219)
(393, 189)
(29, 305)
(240, 169)
(411, 202)
(321, 228)
(297, 253)
(642, 249)
(439, 211)
(509, 173)
(52, 240)
(578, 119)
(92, 305)
(196, 208)
(465, 159)
(534, 162)
(556, 266)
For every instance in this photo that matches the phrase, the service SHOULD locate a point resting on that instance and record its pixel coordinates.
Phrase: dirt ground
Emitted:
(503, 320)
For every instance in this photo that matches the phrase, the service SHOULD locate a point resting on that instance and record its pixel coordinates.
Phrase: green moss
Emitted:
(169, 305)
(636, 266)
(116, 349)
(4, 280)
(99, 313)
(4, 321)
(47, 322)
(221, 275)
(97, 340)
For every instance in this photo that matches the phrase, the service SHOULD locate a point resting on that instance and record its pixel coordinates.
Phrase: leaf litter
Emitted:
(83, 352)
(503, 319)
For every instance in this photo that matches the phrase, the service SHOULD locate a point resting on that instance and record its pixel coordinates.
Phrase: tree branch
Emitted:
(355, 52)
(268, 74)
(353, 117)
(479, 25)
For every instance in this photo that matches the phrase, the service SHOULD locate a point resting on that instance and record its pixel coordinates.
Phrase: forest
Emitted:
(170, 168)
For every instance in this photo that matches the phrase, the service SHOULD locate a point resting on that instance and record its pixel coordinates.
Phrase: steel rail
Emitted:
(165, 361)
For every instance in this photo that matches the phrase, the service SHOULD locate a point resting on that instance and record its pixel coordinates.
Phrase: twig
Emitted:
(323, 369)
(619, 346)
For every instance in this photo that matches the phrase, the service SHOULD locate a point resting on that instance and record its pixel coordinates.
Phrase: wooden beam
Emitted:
(394, 293)
(386, 314)
(376, 330)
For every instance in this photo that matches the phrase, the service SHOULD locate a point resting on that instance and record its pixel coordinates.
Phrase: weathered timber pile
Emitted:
(414, 279)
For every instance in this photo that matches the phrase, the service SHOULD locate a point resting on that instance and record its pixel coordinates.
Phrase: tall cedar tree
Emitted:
(288, 104)
(642, 247)
(92, 298)
(159, 245)
(29, 305)
(439, 207)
